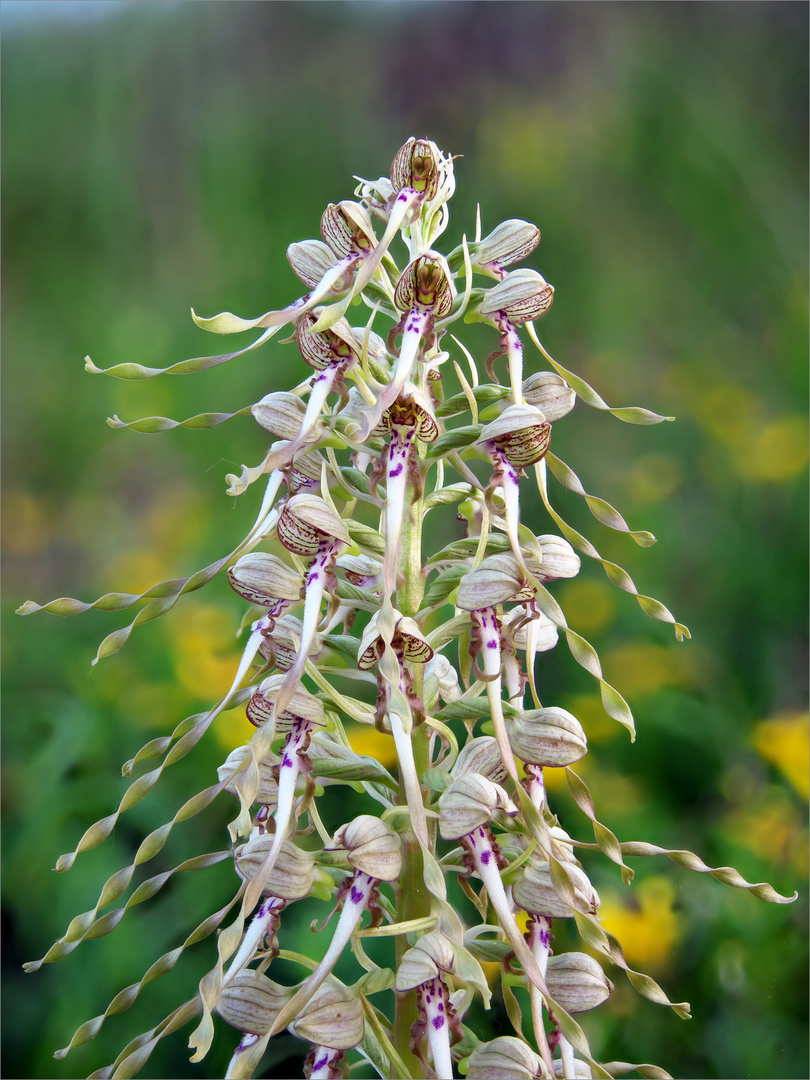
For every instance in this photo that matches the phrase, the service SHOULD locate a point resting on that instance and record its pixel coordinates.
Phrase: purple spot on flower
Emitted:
(441, 1007)
(321, 1063)
(313, 577)
(402, 197)
(396, 471)
(357, 895)
(492, 644)
(545, 938)
(485, 857)
(438, 1022)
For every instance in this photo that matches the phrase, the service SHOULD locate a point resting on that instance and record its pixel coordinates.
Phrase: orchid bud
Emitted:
(416, 166)
(505, 1058)
(337, 345)
(550, 393)
(306, 522)
(432, 954)
(334, 761)
(302, 705)
(534, 891)
(470, 801)
(510, 242)
(347, 229)
(292, 875)
(333, 1017)
(482, 756)
(280, 413)
(310, 260)
(359, 568)
(559, 558)
(441, 679)
(372, 846)
(521, 433)
(251, 1002)
(523, 295)
(577, 982)
(267, 791)
(261, 578)
(550, 737)
(284, 642)
(497, 580)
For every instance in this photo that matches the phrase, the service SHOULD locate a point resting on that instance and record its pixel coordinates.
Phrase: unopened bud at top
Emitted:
(416, 165)
(550, 393)
(523, 295)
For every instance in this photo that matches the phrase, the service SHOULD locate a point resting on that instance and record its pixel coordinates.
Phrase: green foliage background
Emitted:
(158, 156)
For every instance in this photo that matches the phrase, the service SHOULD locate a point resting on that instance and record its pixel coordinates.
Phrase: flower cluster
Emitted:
(440, 647)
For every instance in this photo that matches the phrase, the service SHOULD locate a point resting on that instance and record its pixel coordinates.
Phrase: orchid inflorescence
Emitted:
(437, 646)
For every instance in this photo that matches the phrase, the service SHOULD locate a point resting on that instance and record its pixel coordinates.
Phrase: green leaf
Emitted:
(600, 509)
(466, 549)
(356, 482)
(631, 415)
(456, 439)
(484, 395)
(185, 367)
(442, 585)
(151, 424)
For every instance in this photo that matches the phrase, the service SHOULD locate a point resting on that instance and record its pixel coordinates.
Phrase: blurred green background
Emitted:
(159, 156)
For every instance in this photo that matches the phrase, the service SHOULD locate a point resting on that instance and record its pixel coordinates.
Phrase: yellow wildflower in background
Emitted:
(784, 741)
(366, 740)
(646, 925)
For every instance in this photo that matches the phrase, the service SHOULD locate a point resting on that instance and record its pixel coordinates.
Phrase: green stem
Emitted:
(413, 899)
